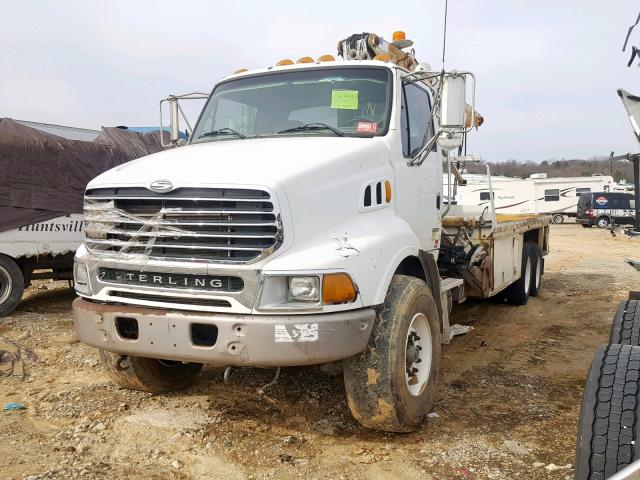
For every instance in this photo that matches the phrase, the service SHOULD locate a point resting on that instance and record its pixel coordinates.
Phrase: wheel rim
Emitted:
(527, 275)
(557, 219)
(418, 354)
(6, 285)
(538, 272)
(602, 223)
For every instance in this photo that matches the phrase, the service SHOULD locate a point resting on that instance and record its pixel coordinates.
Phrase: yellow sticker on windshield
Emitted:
(344, 99)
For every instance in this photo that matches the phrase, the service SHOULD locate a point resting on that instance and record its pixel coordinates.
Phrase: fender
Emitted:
(429, 270)
(432, 275)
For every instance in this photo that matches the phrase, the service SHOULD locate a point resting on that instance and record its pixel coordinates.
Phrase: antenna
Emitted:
(444, 33)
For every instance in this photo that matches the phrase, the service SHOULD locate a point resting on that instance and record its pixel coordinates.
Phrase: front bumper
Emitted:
(242, 340)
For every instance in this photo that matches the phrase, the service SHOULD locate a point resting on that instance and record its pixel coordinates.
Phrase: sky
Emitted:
(547, 70)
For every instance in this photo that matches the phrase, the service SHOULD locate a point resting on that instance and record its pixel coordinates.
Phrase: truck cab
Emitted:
(301, 225)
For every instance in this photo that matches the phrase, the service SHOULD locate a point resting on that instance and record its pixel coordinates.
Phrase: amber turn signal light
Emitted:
(387, 191)
(338, 288)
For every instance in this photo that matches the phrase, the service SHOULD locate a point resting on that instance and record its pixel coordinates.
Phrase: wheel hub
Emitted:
(418, 354)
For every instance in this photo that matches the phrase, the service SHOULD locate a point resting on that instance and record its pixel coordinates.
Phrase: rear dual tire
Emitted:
(530, 280)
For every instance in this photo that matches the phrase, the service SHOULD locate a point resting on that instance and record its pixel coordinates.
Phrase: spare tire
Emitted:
(607, 429)
(625, 329)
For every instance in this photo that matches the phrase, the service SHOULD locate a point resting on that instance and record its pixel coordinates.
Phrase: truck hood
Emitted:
(266, 161)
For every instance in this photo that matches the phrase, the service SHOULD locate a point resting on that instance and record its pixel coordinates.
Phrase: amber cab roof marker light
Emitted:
(326, 58)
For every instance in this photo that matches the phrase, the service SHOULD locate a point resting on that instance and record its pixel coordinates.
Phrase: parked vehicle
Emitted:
(604, 208)
(47, 247)
(608, 430)
(41, 221)
(557, 196)
(303, 224)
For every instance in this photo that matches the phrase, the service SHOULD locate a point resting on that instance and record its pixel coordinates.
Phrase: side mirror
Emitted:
(456, 115)
(452, 102)
(175, 112)
(452, 111)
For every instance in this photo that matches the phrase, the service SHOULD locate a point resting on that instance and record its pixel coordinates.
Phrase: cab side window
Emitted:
(416, 124)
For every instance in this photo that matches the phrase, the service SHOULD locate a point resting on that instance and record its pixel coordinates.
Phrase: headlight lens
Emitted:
(81, 278)
(304, 289)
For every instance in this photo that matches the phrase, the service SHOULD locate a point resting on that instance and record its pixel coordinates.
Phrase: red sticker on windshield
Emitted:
(367, 127)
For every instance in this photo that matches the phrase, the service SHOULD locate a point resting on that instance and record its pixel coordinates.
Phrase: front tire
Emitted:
(557, 219)
(148, 374)
(392, 385)
(602, 222)
(11, 285)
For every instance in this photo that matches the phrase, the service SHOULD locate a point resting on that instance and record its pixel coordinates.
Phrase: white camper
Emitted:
(537, 194)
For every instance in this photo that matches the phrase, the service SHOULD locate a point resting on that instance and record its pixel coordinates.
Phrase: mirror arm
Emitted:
(422, 155)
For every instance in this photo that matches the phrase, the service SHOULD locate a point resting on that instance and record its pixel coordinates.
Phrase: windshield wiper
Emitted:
(313, 126)
(223, 131)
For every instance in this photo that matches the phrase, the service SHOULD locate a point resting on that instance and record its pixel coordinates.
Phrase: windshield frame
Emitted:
(382, 133)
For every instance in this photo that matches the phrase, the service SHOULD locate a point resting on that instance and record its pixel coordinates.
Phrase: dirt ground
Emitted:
(509, 399)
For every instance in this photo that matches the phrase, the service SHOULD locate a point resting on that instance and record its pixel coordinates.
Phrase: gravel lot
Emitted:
(509, 397)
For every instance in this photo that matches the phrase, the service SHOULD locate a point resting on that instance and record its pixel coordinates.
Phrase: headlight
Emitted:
(306, 292)
(81, 278)
(304, 289)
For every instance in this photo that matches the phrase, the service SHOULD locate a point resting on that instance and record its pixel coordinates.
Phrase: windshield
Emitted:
(328, 101)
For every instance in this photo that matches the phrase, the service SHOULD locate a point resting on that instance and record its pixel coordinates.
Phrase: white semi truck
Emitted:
(303, 224)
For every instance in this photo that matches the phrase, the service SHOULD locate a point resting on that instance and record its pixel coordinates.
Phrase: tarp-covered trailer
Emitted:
(41, 196)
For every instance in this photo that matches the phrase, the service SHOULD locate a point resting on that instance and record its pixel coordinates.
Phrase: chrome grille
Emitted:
(213, 224)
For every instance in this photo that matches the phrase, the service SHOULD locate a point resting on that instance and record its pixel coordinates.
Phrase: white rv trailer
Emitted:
(537, 194)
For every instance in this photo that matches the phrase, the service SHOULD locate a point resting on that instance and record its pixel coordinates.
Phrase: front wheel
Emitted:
(11, 285)
(148, 374)
(391, 386)
(557, 219)
(602, 222)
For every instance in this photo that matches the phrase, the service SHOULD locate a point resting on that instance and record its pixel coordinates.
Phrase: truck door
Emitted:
(419, 188)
